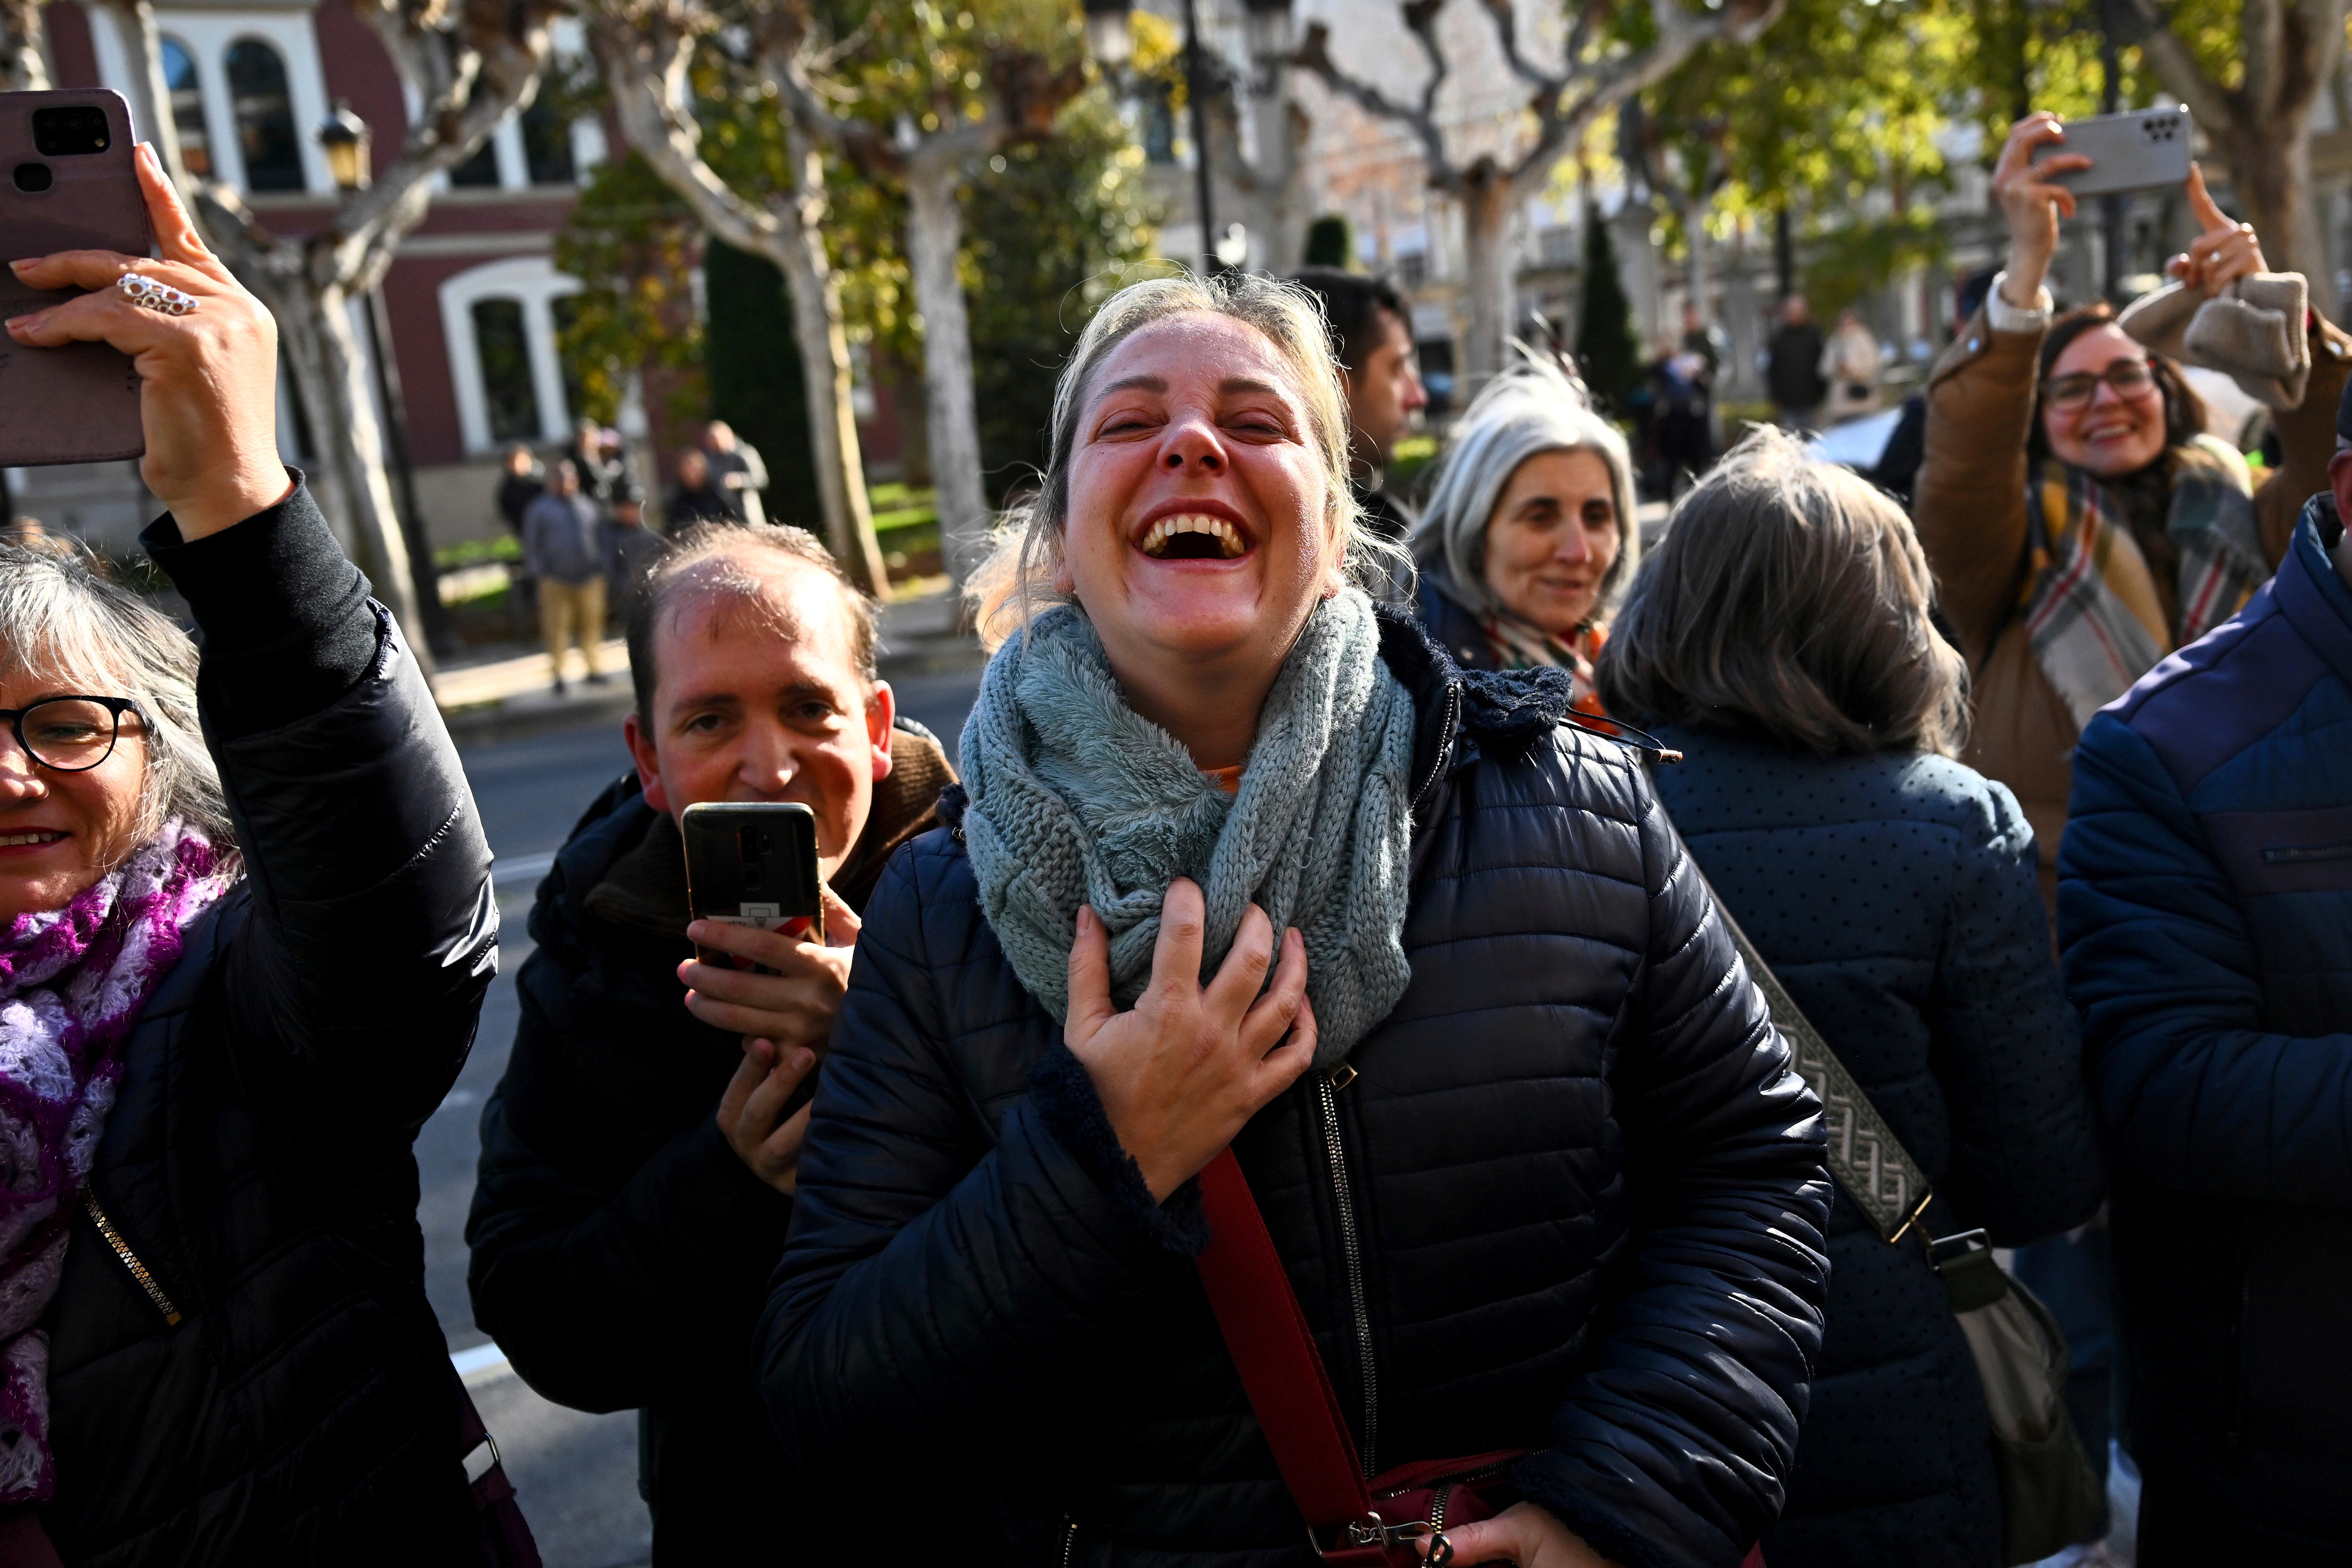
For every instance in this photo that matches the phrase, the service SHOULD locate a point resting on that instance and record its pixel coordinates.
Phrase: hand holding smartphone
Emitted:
(2135, 151)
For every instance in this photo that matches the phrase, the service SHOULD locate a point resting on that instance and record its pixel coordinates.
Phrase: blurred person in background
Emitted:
(1779, 636)
(565, 549)
(697, 496)
(1792, 367)
(248, 925)
(635, 549)
(640, 1153)
(603, 466)
(1850, 364)
(737, 468)
(1529, 530)
(519, 483)
(1200, 750)
(2205, 905)
(1370, 326)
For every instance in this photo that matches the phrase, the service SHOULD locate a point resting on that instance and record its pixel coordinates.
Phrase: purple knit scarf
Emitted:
(72, 982)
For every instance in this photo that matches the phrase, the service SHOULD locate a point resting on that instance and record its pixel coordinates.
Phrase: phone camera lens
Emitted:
(33, 177)
(70, 131)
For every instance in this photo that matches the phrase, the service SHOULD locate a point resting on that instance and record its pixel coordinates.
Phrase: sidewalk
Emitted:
(506, 695)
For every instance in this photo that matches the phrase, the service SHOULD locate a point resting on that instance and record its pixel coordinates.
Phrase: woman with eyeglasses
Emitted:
(2080, 522)
(246, 926)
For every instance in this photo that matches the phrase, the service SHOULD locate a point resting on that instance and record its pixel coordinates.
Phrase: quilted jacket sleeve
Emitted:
(353, 989)
(2026, 1161)
(1674, 1447)
(675, 1253)
(2194, 1091)
(1020, 1247)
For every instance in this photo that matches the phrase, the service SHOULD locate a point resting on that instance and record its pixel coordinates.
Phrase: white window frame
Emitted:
(533, 281)
(208, 34)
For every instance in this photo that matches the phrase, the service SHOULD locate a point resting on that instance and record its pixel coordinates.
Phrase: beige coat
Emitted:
(1971, 512)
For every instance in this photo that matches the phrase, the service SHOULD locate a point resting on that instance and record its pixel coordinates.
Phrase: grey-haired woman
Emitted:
(1531, 530)
(1533, 1160)
(1780, 637)
(247, 926)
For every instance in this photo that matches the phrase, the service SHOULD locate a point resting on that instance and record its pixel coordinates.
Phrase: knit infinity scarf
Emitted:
(1075, 798)
(72, 982)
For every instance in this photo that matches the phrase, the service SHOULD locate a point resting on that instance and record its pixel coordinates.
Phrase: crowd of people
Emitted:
(1366, 1039)
(586, 541)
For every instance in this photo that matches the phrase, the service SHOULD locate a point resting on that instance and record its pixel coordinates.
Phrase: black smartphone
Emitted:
(752, 863)
(67, 182)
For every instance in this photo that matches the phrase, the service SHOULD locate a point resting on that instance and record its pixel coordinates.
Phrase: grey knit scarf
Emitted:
(1075, 798)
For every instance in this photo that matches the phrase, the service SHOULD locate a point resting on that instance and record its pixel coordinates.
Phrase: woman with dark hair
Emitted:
(246, 926)
(1532, 1162)
(1780, 637)
(2080, 523)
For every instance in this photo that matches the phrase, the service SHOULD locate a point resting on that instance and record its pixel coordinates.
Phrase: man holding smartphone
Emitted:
(639, 1157)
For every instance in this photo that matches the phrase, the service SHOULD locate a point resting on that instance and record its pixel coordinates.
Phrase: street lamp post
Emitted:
(1112, 43)
(344, 139)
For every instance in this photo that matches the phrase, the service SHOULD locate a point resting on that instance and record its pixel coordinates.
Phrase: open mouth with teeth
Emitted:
(1193, 535)
(38, 836)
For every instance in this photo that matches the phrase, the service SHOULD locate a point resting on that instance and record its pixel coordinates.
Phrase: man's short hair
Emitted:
(1352, 303)
(707, 558)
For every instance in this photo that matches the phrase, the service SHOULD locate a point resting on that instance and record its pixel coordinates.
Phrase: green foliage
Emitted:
(754, 371)
(1331, 241)
(632, 243)
(1046, 236)
(1608, 355)
(1864, 257)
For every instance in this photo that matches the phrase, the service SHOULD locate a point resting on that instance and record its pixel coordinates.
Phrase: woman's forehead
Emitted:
(2096, 350)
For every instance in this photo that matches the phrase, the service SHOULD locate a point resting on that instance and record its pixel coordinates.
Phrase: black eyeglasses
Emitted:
(2130, 378)
(70, 735)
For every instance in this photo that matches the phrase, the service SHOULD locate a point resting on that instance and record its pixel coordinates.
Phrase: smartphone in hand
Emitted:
(67, 182)
(752, 863)
(2135, 151)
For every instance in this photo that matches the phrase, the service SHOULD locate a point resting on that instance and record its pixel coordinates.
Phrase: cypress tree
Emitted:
(754, 369)
(1606, 353)
(1331, 241)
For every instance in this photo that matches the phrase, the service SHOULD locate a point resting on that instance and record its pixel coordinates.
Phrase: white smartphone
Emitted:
(2135, 151)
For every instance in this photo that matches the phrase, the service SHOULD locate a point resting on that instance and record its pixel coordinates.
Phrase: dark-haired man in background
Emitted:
(637, 1165)
(1371, 336)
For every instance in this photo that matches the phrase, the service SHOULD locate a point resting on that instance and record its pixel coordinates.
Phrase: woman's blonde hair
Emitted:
(1789, 599)
(1530, 409)
(1015, 583)
(63, 617)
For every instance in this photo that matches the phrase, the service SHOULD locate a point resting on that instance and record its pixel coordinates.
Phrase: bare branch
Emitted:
(1313, 56)
(2260, 29)
(1506, 33)
(2178, 68)
(21, 66)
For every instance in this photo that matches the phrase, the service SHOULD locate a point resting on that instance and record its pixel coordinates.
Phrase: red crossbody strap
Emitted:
(1266, 1334)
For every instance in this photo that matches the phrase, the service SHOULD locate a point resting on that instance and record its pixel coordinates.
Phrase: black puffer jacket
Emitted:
(1894, 896)
(1585, 1191)
(605, 1179)
(256, 1161)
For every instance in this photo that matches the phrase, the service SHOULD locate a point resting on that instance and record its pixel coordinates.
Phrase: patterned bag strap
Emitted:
(1868, 1160)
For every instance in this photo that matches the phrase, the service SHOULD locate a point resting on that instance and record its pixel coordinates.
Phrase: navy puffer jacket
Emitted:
(1894, 896)
(1572, 1201)
(2205, 903)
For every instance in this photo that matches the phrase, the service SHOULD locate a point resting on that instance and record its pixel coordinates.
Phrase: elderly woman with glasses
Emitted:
(1533, 1167)
(2080, 523)
(247, 928)
(1529, 530)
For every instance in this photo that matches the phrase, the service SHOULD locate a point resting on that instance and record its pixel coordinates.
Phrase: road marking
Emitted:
(520, 868)
(482, 1364)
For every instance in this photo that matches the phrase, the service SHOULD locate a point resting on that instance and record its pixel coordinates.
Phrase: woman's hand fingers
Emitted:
(177, 238)
(1183, 929)
(780, 1157)
(101, 318)
(1288, 1061)
(758, 1055)
(751, 1113)
(1526, 1535)
(841, 923)
(2039, 128)
(2203, 207)
(764, 1108)
(102, 269)
(1270, 1015)
(1090, 1005)
(1238, 980)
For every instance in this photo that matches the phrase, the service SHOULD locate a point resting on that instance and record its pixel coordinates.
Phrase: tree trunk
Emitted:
(151, 95)
(951, 422)
(22, 68)
(2270, 167)
(1486, 221)
(824, 342)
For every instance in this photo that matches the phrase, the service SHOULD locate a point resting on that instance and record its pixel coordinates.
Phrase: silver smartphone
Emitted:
(2135, 151)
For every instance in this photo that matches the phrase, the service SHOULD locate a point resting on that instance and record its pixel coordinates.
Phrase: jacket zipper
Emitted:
(129, 1259)
(1444, 750)
(1327, 1094)
(1069, 1540)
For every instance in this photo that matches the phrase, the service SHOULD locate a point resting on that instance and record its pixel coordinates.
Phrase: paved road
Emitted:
(576, 1473)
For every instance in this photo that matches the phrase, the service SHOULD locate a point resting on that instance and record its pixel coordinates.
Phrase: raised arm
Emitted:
(372, 934)
(1677, 1445)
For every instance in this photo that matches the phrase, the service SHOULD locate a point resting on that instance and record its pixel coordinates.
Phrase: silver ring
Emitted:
(149, 295)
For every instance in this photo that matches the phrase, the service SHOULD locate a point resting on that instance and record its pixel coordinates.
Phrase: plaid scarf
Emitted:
(1522, 646)
(2095, 623)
